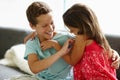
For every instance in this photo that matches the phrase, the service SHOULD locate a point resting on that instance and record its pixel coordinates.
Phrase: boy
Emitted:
(44, 62)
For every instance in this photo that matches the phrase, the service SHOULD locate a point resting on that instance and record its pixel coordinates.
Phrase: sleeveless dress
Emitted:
(94, 65)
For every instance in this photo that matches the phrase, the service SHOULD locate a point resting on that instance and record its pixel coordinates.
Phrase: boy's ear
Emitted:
(32, 26)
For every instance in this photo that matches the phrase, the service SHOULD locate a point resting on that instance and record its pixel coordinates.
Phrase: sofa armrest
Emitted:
(10, 37)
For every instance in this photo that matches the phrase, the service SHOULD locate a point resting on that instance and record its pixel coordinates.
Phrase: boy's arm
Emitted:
(116, 59)
(36, 65)
(29, 36)
(72, 57)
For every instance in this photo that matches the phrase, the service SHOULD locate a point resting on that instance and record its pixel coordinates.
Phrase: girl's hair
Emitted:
(82, 17)
(36, 9)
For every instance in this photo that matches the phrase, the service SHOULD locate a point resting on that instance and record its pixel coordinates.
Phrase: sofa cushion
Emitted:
(7, 72)
(14, 57)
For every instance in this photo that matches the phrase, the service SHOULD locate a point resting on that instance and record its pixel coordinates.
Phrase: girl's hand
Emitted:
(49, 44)
(30, 36)
(116, 60)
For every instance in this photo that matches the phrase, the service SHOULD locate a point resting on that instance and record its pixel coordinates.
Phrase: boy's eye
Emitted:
(52, 23)
(44, 26)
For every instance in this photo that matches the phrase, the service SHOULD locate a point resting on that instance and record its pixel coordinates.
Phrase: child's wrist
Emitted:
(56, 45)
(60, 54)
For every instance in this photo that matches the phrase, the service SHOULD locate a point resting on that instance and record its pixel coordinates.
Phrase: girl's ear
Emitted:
(78, 32)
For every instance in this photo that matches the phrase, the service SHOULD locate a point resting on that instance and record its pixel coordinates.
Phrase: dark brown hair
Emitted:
(36, 9)
(82, 17)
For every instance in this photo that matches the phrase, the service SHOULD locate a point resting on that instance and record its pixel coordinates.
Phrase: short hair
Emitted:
(36, 9)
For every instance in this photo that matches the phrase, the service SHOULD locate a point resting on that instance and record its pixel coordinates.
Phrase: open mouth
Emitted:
(49, 33)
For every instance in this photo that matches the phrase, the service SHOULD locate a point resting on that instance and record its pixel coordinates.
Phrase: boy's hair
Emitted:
(82, 17)
(36, 9)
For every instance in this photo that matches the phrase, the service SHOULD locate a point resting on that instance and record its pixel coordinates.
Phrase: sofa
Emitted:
(12, 36)
(8, 38)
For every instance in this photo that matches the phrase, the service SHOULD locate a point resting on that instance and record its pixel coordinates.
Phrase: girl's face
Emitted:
(73, 30)
(45, 27)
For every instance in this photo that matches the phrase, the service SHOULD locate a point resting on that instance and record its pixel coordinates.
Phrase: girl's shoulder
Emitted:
(93, 45)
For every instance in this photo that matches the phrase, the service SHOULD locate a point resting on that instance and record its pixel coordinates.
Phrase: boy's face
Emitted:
(45, 27)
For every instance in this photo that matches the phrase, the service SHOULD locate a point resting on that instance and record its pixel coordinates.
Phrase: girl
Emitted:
(90, 45)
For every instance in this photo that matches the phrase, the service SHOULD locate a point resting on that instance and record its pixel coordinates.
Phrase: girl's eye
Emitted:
(71, 31)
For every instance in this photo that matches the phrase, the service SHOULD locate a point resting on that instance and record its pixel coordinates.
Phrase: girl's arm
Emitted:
(77, 50)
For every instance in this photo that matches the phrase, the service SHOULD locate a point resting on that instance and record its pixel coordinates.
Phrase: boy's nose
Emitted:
(50, 28)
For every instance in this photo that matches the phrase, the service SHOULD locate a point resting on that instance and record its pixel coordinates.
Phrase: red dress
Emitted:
(94, 65)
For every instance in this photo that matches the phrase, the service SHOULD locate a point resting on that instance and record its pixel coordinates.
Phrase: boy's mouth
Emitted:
(49, 33)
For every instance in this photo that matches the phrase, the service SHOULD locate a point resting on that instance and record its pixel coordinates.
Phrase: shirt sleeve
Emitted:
(62, 38)
(30, 48)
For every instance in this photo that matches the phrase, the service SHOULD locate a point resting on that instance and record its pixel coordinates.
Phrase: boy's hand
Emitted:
(30, 36)
(67, 46)
(116, 60)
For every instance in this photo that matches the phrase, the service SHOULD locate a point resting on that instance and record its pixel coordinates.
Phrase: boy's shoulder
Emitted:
(32, 41)
(62, 35)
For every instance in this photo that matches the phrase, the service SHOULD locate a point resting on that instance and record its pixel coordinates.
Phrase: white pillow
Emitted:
(15, 57)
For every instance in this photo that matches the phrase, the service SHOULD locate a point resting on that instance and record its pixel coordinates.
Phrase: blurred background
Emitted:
(13, 13)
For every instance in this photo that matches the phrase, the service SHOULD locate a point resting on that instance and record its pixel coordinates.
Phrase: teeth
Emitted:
(49, 32)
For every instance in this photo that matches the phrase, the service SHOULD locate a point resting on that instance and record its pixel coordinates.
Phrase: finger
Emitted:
(116, 61)
(43, 48)
(113, 56)
(115, 64)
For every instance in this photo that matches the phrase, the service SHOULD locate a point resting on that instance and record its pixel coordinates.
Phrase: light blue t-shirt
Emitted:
(60, 70)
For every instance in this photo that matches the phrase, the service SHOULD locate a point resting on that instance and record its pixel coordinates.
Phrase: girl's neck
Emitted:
(86, 39)
(88, 42)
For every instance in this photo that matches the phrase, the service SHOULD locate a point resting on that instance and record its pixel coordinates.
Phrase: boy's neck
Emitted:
(43, 39)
